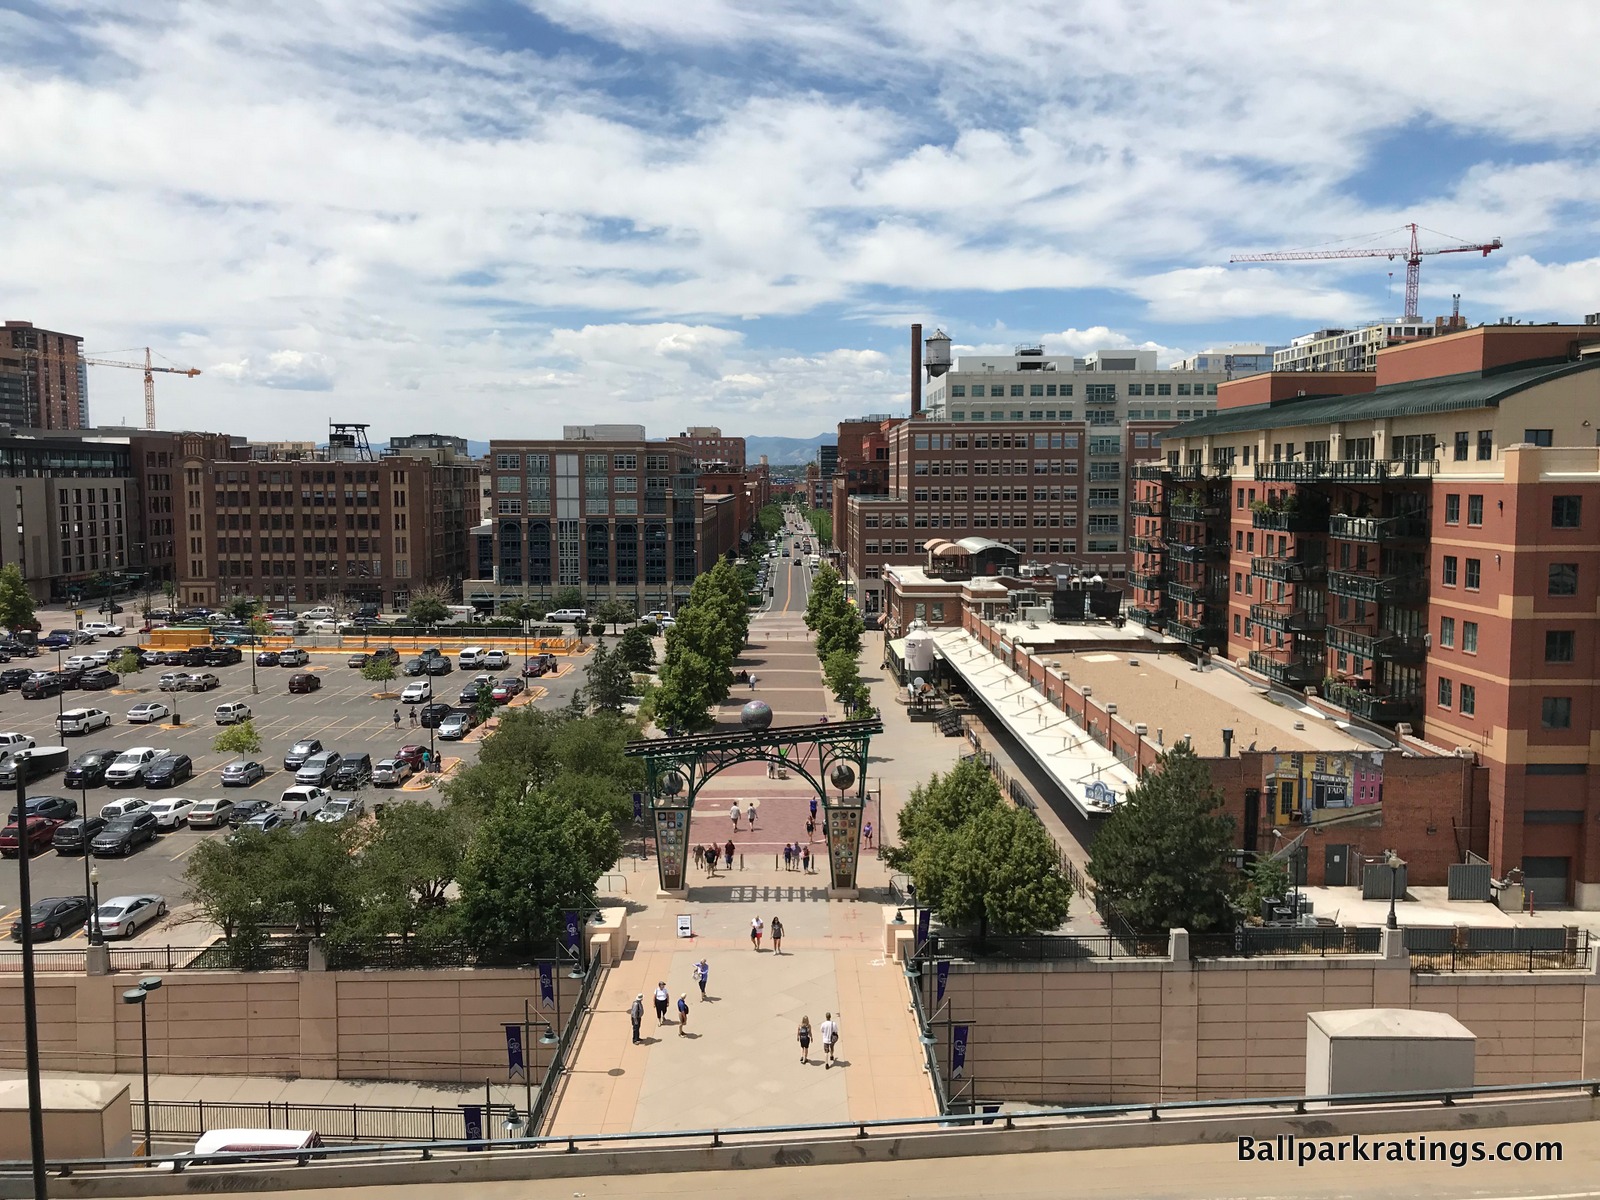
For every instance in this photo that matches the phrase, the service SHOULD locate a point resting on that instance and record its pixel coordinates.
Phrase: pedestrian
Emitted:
(771, 771)
(868, 831)
(752, 814)
(700, 857)
(397, 718)
(711, 861)
(661, 998)
(777, 936)
(683, 1014)
(636, 1015)
(830, 1037)
(702, 973)
(413, 718)
(805, 859)
(813, 808)
(804, 1038)
(752, 681)
(733, 815)
(788, 856)
(755, 934)
(727, 853)
(811, 828)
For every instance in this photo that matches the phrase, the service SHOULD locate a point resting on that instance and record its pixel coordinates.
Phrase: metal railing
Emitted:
(1256, 941)
(346, 1122)
(1464, 958)
(1050, 947)
(564, 1047)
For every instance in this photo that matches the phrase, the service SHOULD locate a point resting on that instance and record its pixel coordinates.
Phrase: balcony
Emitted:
(1149, 581)
(1191, 593)
(1349, 470)
(1199, 636)
(1145, 545)
(1287, 570)
(1384, 709)
(1382, 643)
(1194, 472)
(1406, 528)
(1299, 519)
(1197, 552)
(1144, 508)
(1105, 447)
(1196, 512)
(1299, 621)
(1391, 589)
(1105, 472)
(1153, 471)
(1106, 502)
(1296, 672)
(1150, 618)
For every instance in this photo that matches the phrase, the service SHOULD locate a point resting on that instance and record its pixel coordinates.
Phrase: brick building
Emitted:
(1420, 547)
(709, 447)
(44, 381)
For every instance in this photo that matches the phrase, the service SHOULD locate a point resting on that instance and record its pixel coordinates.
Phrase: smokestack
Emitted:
(916, 370)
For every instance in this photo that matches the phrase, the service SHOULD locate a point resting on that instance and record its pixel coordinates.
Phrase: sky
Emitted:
(496, 217)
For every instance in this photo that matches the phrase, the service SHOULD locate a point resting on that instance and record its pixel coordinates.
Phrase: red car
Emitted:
(411, 755)
(41, 833)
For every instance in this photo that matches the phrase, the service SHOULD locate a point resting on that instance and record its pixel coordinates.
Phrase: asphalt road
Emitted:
(343, 714)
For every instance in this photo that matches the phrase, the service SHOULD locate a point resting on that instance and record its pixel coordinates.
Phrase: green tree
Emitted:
(1162, 856)
(827, 592)
(242, 608)
(1266, 878)
(691, 686)
(314, 875)
(570, 596)
(378, 669)
(16, 603)
(405, 866)
(242, 739)
(127, 662)
(770, 519)
(1003, 875)
(581, 627)
(427, 610)
(522, 610)
(228, 881)
(840, 630)
(614, 613)
(531, 859)
(636, 649)
(607, 681)
(943, 804)
(842, 675)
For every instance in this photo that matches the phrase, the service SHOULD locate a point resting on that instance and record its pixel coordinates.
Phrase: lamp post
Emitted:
(61, 693)
(30, 1002)
(548, 1038)
(91, 889)
(1395, 863)
(137, 996)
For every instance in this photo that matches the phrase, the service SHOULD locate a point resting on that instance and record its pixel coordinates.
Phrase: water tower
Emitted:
(936, 353)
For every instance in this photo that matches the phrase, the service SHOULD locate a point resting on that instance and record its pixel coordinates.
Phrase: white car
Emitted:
(172, 812)
(103, 629)
(417, 692)
(15, 741)
(303, 803)
(124, 916)
(326, 625)
(497, 660)
(82, 662)
(130, 764)
(123, 806)
(232, 713)
(83, 720)
(150, 710)
(568, 614)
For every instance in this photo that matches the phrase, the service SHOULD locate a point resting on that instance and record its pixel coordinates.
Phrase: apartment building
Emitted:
(67, 509)
(44, 380)
(1416, 548)
(1029, 450)
(709, 447)
(1355, 349)
(1235, 361)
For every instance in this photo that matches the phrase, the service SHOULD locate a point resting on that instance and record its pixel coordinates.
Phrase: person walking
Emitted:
(755, 934)
(813, 808)
(788, 856)
(811, 829)
(636, 1015)
(661, 998)
(805, 859)
(683, 1014)
(733, 815)
(804, 1038)
(397, 718)
(830, 1038)
(752, 814)
(752, 681)
(711, 861)
(727, 853)
(702, 973)
(777, 936)
(413, 718)
(868, 832)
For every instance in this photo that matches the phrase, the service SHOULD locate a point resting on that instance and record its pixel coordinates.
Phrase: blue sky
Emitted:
(497, 216)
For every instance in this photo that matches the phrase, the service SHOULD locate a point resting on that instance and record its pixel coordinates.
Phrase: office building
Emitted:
(1415, 548)
(1356, 349)
(44, 382)
(710, 448)
(430, 441)
(1235, 362)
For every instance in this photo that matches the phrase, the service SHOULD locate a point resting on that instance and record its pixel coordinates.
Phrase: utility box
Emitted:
(1387, 1050)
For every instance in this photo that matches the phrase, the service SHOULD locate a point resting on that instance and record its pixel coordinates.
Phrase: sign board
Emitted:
(685, 926)
(1100, 793)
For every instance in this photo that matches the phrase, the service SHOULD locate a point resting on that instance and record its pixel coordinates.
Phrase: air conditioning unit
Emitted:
(1465, 752)
(1088, 691)
(1111, 708)
(1141, 728)
(1403, 729)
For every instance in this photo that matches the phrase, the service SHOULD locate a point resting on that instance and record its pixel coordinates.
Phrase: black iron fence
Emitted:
(1464, 958)
(1050, 947)
(395, 954)
(564, 1049)
(334, 1122)
(1256, 941)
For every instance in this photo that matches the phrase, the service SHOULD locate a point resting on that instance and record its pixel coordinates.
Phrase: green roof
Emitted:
(1448, 393)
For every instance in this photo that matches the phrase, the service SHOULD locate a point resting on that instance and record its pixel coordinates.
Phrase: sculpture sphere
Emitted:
(756, 715)
(842, 776)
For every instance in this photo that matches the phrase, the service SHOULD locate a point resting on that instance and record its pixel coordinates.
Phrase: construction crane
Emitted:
(149, 370)
(1412, 254)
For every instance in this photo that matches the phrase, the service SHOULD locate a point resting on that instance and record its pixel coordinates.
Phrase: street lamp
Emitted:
(91, 885)
(1395, 864)
(148, 984)
(548, 1038)
(30, 1001)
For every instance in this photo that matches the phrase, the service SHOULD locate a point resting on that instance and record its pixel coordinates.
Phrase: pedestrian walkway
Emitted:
(259, 1089)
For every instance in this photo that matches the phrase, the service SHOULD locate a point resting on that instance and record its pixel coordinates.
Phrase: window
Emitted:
(1452, 510)
(1016, 389)
(1445, 688)
(1566, 512)
(1036, 389)
(1468, 705)
(1555, 712)
(1462, 442)
(1485, 445)
(977, 390)
(1450, 570)
(1538, 437)
(1447, 631)
(958, 389)
(1469, 635)
(1474, 574)
(508, 462)
(1162, 389)
(1563, 579)
(1474, 510)
(1559, 645)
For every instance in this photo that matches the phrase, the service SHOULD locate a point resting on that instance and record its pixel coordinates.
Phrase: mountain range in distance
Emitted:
(780, 451)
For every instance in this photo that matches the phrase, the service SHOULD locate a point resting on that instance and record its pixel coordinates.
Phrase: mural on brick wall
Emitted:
(1311, 786)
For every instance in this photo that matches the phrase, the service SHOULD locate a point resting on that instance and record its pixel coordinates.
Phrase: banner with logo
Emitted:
(472, 1118)
(573, 929)
(924, 919)
(958, 1051)
(547, 985)
(514, 1061)
(638, 806)
(942, 976)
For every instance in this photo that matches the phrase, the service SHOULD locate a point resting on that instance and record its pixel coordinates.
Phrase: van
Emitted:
(288, 628)
(470, 656)
(815, 560)
(259, 1143)
(460, 614)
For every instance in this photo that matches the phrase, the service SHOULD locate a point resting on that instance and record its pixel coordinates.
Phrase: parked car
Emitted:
(247, 810)
(359, 659)
(173, 812)
(123, 806)
(41, 832)
(232, 713)
(149, 711)
(124, 916)
(414, 666)
(15, 741)
(496, 660)
(411, 755)
(439, 666)
(455, 727)
(319, 768)
(225, 656)
(56, 808)
(126, 834)
(169, 770)
(417, 693)
(42, 687)
(430, 715)
(57, 639)
(392, 772)
(99, 680)
(243, 773)
(293, 656)
(264, 822)
(54, 917)
(32, 764)
(82, 720)
(473, 692)
(326, 625)
(103, 629)
(130, 765)
(297, 754)
(204, 681)
(175, 681)
(15, 677)
(303, 682)
(82, 661)
(73, 836)
(210, 814)
(267, 658)
(342, 808)
(89, 768)
(567, 615)
(388, 652)
(354, 771)
(506, 688)
(301, 803)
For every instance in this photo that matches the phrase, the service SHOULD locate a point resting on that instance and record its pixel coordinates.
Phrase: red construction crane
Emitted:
(1412, 254)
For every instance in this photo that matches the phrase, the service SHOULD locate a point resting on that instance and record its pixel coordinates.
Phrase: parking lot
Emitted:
(345, 714)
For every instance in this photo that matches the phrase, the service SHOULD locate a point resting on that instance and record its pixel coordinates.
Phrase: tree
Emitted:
(840, 630)
(636, 649)
(1004, 875)
(531, 859)
(522, 610)
(691, 685)
(127, 662)
(770, 520)
(242, 739)
(1162, 856)
(16, 602)
(315, 874)
(242, 608)
(1267, 878)
(581, 628)
(614, 613)
(404, 868)
(826, 593)
(607, 680)
(378, 669)
(570, 596)
(229, 882)
(842, 675)
(426, 609)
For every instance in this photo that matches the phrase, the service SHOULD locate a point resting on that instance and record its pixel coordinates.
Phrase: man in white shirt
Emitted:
(733, 812)
(661, 997)
(830, 1036)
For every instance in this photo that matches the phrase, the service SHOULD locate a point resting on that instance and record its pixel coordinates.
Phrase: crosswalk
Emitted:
(775, 893)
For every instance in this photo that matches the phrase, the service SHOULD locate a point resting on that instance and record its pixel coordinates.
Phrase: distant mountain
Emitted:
(784, 451)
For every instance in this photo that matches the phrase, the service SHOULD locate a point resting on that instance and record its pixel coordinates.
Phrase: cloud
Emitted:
(292, 370)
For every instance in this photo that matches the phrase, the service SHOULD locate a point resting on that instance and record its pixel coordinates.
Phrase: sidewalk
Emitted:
(255, 1089)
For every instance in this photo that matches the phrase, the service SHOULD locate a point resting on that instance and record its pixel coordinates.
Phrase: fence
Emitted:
(1050, 947)
(334, 1122)
(282, 954)
(1253, 941)
(564, 1048)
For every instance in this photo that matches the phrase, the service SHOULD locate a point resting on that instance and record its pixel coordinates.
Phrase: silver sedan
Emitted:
(123, 916)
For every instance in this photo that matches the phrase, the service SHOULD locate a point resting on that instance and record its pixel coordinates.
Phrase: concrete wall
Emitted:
(1114, 1031)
